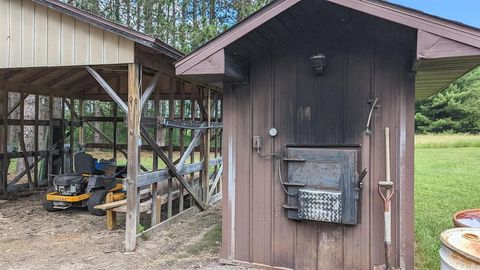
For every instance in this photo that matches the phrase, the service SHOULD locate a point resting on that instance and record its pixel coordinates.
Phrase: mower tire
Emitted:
(48, 205)
(97, 197)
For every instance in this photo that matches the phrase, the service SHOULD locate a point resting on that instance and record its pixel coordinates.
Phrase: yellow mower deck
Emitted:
(53, 196)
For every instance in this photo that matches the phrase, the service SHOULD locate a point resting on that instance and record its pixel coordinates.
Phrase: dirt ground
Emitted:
(31, 238)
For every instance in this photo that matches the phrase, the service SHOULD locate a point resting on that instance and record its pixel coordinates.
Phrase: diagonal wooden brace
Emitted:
(123, 106)
(171, 166)
(151, 87)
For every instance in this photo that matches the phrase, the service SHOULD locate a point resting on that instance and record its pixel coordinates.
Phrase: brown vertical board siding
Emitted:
(262, 169)
(242, 142)
(284, 79)
(228, 238)
(369, 60)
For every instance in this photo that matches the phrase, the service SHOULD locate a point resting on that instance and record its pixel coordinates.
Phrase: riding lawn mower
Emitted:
(86, 187)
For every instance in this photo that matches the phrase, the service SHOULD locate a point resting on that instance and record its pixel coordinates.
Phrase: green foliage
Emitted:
(456, 109)
(184, 24)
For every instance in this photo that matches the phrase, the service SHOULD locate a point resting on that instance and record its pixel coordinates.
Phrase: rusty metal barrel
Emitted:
(467, 218)
(460, 249)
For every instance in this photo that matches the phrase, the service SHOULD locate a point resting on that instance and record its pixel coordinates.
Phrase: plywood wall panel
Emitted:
(54, 38)
(4, 33)
(82, 42)
(36, 36)
(96, 45)
(41, 38)
(110, 47)
(15, 53)
(68, 40)
(28, 29)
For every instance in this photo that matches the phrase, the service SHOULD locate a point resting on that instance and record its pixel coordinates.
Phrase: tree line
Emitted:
(454, 110)
(183, 24)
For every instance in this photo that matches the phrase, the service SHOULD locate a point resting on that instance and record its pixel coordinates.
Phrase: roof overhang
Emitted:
(446, 49)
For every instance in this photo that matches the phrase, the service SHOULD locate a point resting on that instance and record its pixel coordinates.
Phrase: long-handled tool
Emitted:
(388, 186)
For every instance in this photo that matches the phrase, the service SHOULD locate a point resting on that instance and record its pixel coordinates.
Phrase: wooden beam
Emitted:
(17, 104)
(108, 89)
(171, 166)
(134, 115)
(36, 140)
(4, 137)
(151, 87)
(215, 182)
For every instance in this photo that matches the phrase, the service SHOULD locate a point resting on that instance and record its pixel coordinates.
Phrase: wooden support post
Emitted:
(4, 138)
(171, 115)
(21, 140)
(115, 141)
(156, 201)
(134, 116)
(36, 140)
(192, 134)
(50, 140)
(62, 142)
(182, 138)
(72, 134)
(111, 215)
(206, 149)
(81, 138)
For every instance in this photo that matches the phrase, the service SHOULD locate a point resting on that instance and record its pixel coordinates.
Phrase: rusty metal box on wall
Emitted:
(323, 183)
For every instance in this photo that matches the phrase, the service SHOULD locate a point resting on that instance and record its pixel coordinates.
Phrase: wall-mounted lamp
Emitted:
(319, 62)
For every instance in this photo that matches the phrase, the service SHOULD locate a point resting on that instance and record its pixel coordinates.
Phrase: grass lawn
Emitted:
(447, 180)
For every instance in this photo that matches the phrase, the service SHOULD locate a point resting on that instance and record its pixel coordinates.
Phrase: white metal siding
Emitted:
(36, 36)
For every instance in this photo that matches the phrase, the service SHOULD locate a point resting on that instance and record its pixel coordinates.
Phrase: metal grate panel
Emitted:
(320, 205)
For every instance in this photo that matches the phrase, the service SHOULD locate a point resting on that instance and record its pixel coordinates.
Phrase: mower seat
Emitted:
(68, 179)
(85, 164)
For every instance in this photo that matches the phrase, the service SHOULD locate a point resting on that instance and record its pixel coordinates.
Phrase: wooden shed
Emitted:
(55, 51)
(269, 66)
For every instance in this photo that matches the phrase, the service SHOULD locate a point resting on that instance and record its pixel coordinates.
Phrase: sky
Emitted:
(465, 11)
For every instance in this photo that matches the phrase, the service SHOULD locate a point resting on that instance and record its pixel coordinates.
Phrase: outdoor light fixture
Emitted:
(319, 62)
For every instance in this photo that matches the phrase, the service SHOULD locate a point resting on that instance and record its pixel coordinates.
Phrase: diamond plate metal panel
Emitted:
(320, 205)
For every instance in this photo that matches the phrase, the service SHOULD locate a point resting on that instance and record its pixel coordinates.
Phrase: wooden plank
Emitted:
(68, 40)
(96, 46)
(170, 166)
(72, 135)
(156, 206)
(134, 116)
(15, 37)
(62, 136)
(82, 42)
(21, 140)
(182, 216)
(108, 89)
(126, 50)
(111, 215)
(41, 36)
(110, 47)
(36, 140)
(28, 26)
(206, 149)
(4, 33)
(54, 37)
(149, 178)
(182, 137)
(50, 139)
(171, 114)
(215, 182)
(4, 137)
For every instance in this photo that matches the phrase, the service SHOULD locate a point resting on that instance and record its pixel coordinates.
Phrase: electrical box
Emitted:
(323, 183)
